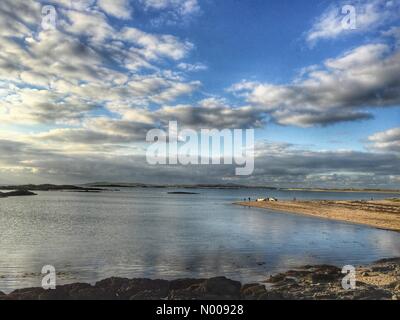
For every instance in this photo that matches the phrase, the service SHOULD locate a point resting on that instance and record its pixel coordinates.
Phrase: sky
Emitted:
(83, 81)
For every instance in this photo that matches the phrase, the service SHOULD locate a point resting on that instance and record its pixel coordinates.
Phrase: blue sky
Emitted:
(83, 92)
(265, 41)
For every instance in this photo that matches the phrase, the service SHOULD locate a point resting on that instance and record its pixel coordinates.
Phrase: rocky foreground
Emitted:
(378, 281)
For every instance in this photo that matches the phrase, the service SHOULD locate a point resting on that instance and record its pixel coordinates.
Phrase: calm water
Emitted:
(149, 233)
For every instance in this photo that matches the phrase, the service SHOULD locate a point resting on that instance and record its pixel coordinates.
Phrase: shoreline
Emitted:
(379, 191)
(377, 281)
(380, 214)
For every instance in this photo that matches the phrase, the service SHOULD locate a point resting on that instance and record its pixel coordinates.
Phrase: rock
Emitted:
(112, 286)
(383, 268)
(57, 294)
(91, 294)
(26, 294)
(184, 283)
(277, 278)
(150, 295)
(330, 296)
(311, 282)
(272, 295)
(219, 288)
(157, 289)
(222, 286)
(252, 291)
(285, 282)
(317, 278)
(124, 289)
(249, 286)
(371, 293)
(84, 291)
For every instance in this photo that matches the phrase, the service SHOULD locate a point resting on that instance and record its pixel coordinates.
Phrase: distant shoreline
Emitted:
(99, 186)
(382, 214)
(18, 193)
(345, 190)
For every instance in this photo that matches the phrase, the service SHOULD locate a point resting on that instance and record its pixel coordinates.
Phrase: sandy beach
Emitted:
(382, 214)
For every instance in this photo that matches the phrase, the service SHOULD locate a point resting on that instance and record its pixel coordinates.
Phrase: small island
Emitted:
(18, 193)
(182, 193)
(50, 187)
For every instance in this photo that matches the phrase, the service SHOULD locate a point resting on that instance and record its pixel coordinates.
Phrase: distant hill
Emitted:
(18, 193)
(47, 187)
(184, 186)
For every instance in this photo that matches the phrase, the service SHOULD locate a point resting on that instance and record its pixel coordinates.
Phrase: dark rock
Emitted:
(383, 268)
(84, 291)
(26, 294)
(253, 291)
(285, 282)
(310, 283)
(57, 294)
(325, 296)
(276, 278)
(184, 283)
(219, 288)
(112, 286)
(91, 293)
(139, 288)
(372, 294)
(222, 286)
(249, 286)
(272, 295)
(124, 289)
(322, 277)
(150, 295)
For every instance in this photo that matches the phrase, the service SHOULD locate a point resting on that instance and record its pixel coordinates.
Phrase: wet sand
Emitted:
(382, 214)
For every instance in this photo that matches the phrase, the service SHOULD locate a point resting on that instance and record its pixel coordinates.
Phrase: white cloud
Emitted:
(189, 67)
(172, 11)
(276, 164)
(393, 32)
(339, 90)
(370, 14)
(155, 46)
(62, 75)
(116, 8)
(183, 7)
(386, 141)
